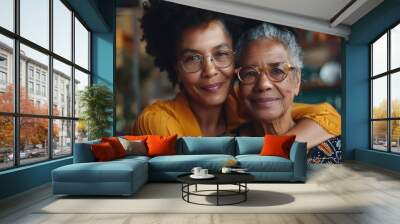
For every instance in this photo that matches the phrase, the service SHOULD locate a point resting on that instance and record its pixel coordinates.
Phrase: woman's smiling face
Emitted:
(210, 85)
(264, 99)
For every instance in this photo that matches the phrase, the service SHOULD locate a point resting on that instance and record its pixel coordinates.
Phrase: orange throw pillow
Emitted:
(116, 145)
(275, 145)
(103, 151)
(160, 145)
(135, 137)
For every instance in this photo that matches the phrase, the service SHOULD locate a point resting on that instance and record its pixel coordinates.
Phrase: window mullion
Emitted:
(371, 98)
(389, 106)
(50, 81)
(16, 84)
(73, 83)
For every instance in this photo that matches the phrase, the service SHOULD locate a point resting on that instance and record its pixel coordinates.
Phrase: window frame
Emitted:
(3, 74)
(16, 114)
(6, 61)
(388, 74)
(3, 70)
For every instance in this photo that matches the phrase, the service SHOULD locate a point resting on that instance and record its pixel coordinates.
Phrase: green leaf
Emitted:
(96, 102)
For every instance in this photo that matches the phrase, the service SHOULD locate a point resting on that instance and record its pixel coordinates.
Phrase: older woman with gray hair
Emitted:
(270, 76)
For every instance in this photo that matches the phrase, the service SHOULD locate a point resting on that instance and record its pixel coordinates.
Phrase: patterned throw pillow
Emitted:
(133, 147)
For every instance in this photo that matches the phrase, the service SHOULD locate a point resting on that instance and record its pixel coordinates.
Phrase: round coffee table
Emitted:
(238, 179)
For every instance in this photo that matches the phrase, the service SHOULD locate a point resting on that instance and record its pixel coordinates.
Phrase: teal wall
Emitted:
(356, 103)
(99, 15)
(103, 53)
(24, 178)
(380, 159)
(356, 92)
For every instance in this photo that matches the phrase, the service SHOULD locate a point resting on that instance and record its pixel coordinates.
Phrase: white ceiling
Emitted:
(314, 15)
(319, 9)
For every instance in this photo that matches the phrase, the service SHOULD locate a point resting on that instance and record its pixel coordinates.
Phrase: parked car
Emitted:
(25, 154)
(22, 155)
(10, 156)
(57, 152)
(36, 153)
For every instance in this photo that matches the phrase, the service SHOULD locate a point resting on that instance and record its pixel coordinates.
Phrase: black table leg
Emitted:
(182, 190)
(245, 193)
(242, 191)
(188, 193)
(217, 194)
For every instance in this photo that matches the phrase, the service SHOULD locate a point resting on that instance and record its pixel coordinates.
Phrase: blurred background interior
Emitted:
(139, 83)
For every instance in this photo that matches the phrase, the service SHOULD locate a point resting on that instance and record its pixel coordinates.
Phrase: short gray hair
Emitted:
(269, 31)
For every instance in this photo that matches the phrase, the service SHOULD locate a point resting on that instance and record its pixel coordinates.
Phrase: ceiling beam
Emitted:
(268, 15)
(346, 12)
(89, 11)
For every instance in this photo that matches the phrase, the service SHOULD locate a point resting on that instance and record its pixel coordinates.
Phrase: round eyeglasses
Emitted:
(194, 62)
(275, 72)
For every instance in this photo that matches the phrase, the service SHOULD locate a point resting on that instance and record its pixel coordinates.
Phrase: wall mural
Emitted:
(193, 72)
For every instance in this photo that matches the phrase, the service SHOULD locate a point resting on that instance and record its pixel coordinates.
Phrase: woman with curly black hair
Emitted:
(195, 47)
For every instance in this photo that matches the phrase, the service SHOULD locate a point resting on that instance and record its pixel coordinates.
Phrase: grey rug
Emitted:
(166, 198)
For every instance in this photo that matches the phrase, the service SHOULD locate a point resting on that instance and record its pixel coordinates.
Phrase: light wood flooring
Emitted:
(378, 188)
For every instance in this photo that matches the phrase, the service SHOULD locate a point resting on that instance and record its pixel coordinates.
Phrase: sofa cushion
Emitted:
(116, 145)
(131, 158)
(161, 145)
(111, 171)
(83, 152)
(185, 163)
(103, 152)
(249, 145)
(277, 145)
(134, 147)
(207, 145)
(135, 137)
(257, 163)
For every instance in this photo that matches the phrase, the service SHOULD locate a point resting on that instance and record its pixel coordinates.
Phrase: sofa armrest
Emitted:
(83, 152)
(298, 153)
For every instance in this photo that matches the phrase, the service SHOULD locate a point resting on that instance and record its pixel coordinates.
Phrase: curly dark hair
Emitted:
(163, 24)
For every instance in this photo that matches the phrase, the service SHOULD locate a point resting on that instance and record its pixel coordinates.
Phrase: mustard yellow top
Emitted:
(323, 114)
(175, 117)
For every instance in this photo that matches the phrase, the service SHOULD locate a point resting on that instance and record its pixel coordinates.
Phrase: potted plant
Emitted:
(96, 103)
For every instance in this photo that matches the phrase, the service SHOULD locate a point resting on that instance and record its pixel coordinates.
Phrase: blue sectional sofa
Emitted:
(125, 176)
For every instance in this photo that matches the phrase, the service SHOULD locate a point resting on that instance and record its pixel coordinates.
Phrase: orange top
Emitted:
(174, 116)
(323, 114)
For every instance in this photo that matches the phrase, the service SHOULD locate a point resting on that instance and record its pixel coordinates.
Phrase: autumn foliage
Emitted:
(33, 130)
(380, 127)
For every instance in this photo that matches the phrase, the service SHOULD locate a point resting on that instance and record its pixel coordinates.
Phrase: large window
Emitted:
(44, 64)
(385, 92)
(3, 71)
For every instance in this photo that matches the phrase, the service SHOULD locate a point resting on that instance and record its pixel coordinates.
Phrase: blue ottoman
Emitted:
(118, 177)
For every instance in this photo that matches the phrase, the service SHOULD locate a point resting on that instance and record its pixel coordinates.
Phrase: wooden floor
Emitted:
(378, 188)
